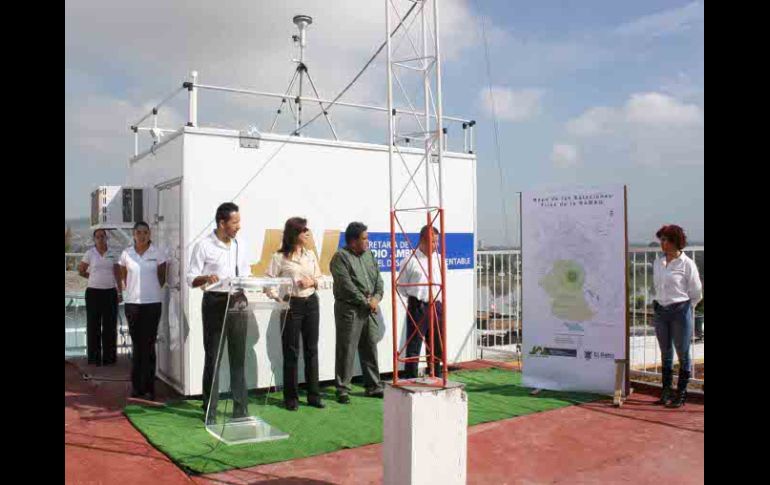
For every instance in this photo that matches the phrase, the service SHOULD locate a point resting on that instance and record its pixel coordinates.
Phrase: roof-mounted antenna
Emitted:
(301, 21)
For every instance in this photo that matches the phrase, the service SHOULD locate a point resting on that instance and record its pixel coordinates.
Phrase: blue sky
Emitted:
(586, 93)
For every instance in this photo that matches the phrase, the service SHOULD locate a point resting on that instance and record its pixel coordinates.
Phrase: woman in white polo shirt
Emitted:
(142, 268)
(677, 291)
(98, 265)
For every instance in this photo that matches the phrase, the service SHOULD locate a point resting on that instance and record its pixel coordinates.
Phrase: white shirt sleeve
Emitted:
(406, 275)
(694, 287)
(195, 268)
(86, 257)
(123, 261)
(274, 268)
(316, 267)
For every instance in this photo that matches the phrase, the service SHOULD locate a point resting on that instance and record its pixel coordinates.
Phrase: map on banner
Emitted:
(573, 264)
(574, 269)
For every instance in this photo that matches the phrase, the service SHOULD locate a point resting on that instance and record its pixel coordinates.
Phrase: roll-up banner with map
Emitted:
(574, 287)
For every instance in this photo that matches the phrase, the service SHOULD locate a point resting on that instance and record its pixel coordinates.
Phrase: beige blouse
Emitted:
(296, 268)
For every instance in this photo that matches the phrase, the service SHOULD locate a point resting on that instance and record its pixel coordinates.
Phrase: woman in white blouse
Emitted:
(142, 271)
(677, 291)
(98, 265)
(294, 260)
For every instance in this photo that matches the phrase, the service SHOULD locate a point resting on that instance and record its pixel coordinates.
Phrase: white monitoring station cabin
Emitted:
(180, 180)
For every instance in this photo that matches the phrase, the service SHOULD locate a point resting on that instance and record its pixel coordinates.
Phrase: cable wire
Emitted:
(496, 125)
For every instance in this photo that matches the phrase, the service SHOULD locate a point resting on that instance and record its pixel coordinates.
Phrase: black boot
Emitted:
(666, 394)
(681, 390)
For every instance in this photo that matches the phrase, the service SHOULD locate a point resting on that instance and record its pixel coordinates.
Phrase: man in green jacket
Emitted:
(357, 293)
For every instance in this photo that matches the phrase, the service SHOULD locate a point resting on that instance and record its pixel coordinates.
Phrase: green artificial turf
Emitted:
(177, 429)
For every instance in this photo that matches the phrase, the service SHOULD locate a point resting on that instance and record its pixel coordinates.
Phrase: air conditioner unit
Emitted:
(115, 206)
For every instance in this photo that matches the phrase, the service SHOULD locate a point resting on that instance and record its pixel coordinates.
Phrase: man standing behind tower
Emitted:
(358, 291)
(414, 271)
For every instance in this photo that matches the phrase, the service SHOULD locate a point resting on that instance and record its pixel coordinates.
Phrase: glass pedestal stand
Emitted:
(228, 417)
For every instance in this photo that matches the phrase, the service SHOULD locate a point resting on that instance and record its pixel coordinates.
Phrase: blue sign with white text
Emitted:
(459, 248)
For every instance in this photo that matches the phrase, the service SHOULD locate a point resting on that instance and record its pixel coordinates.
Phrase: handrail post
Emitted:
(192, 114)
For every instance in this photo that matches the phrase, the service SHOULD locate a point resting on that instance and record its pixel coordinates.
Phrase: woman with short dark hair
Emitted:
(677, 291)
(142, 271)
(295, 260)
(98, 266)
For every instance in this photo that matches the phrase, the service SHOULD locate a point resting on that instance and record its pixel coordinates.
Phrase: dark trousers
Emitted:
(213, 309)
(419, 312)
(102, 325)
(673, 329)
(356, 331)
(143, 320)
(301, 319)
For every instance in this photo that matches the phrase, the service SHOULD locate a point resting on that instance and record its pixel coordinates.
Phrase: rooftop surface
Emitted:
(587, 443)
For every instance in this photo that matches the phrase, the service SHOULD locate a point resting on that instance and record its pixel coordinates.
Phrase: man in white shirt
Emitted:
(414, 269)
(214, 258)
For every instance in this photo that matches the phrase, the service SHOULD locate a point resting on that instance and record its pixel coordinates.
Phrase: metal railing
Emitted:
(71, 261)
(498, 303)
(75, 343)
(644, 349)
(498, 310)
(193, 87)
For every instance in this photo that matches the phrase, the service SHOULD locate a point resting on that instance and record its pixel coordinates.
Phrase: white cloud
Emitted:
(661, 109)
(666, 22)
(649, 128)
(245, 43)
(564, 155)
(683, 85)
(654, 109)
(593, 122)
(510, 104)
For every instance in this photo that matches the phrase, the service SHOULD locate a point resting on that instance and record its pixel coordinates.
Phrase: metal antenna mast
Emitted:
(416, 194)
(302, 22)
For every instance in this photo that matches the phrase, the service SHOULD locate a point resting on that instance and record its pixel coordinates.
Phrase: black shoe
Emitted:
(665, 396)
(343, 399)
(378, 394)
(316, 403)
(151, 396)
(292, 405)
(678, 401)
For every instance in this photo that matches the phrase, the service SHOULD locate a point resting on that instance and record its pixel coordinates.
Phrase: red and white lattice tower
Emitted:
(416, 176)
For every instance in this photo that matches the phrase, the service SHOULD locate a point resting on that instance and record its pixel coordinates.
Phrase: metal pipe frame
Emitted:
(321, 100)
